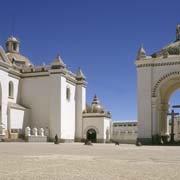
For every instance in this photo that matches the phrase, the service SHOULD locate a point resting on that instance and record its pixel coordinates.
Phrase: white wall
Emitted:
(68, 111)
(107, 126)
(80, 107)
(35, 95)
(4, 81)
(62, 111)
(144, 102)
(16, 118)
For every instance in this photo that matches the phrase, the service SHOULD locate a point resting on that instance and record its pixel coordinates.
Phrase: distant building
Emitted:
(124, 131)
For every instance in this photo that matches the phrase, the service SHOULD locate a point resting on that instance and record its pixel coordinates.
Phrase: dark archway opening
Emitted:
(91, 135)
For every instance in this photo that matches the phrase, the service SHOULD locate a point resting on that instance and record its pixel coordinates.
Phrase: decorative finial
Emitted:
(141, 53)
(58, 63)
(80, 75)
(95, 100)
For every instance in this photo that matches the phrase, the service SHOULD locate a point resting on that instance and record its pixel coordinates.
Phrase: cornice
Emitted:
(153, 62)
(89, 115)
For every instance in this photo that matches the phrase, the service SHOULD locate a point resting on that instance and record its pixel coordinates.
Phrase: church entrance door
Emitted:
(91, 135)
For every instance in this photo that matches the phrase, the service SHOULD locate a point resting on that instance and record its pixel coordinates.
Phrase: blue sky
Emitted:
(100, 36)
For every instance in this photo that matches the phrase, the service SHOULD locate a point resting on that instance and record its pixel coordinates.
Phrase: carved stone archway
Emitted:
(158, 76)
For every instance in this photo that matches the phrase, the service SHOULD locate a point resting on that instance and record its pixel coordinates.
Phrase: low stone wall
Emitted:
(36, 138)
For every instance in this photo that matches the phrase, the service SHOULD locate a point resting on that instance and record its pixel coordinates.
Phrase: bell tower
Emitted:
(12, 45)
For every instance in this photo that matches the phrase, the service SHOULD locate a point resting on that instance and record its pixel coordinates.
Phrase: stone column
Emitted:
(163, 123)
(154, 116)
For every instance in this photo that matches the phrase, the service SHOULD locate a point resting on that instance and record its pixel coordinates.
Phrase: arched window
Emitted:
(11, 89)
(68, 93)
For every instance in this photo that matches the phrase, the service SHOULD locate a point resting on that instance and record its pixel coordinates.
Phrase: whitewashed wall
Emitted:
(4, 81)
(80, 107)
(68, 112)
(35, 95)
(17, 118)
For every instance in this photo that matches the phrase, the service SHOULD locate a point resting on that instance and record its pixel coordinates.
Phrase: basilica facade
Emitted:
(47, 100)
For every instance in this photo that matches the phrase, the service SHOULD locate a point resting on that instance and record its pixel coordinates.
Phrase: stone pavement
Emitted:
(36, 161)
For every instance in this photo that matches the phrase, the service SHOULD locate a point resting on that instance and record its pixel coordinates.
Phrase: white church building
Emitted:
(46, 100)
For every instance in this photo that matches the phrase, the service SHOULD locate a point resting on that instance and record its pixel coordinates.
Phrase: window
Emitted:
(14, 46)
(11, 89)
(68, 93)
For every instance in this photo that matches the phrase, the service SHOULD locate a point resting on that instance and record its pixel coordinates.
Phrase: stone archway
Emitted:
(166, 87)
(158, 76)
(91, 135)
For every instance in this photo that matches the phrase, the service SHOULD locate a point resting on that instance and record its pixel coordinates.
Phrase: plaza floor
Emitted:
(36, 161)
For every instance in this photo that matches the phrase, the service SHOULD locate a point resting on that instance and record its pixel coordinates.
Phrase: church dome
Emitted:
(95, 106)
(12, 52)
(12, 38)
(172, 49)
(18, 59)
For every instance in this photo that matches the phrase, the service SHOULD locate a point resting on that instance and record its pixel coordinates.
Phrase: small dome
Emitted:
(95, 106)
(12, 52)
(12, 38)
(18, 59)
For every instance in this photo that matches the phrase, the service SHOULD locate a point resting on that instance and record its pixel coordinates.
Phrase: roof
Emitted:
(17, 57)
(172, 49)
(80, 75)
(17, 106)
(12, 38)
(58, 62)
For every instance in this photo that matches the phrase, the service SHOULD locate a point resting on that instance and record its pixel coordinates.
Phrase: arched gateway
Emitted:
(91, 135)
(158, 76)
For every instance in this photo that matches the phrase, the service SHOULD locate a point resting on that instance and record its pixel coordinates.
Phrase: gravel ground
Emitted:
(36, 161)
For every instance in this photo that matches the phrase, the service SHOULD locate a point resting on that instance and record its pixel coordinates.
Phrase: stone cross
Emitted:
(172, 114)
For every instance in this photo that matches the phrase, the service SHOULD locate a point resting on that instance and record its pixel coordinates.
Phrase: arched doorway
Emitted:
(166, 90)
(161, 104)
(91, 135)
(174, 101)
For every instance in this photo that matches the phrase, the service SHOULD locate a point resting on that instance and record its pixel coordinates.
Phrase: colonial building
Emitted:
(158, 76)
(46, 100)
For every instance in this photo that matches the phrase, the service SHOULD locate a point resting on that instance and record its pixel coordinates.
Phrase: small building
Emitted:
(96, 122)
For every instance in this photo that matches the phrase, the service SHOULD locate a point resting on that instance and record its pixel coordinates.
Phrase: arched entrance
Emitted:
(91, 135)
(158, 76)
(166, 89)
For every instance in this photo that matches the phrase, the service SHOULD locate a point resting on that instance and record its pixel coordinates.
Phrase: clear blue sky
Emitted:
(100, 36)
